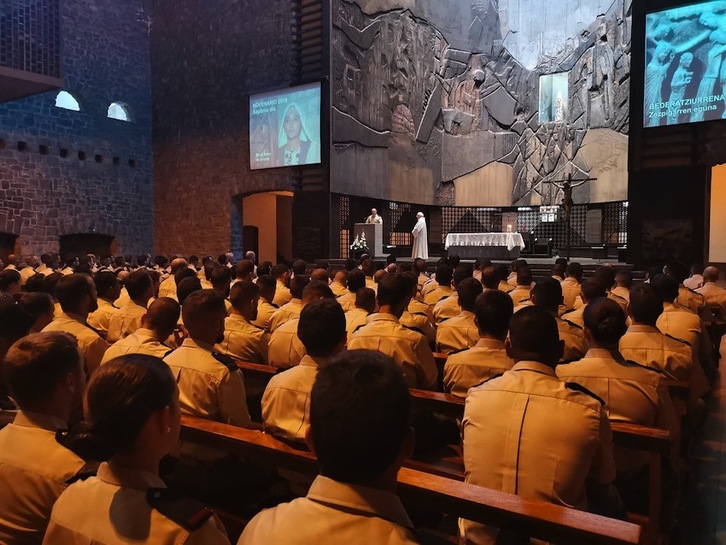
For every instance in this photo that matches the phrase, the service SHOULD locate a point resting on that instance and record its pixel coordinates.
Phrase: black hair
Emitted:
(221, 277)
(365, 298)
(315, 289)
(547, 294)
(138, 283)
(297, 285)
(186, 287)
(574, 270)
(105, 282)
(242, 293)
(8, 277)
(494, 310)
(444, 274)
(393, 289)
(356, 280)
(321, 327)
(71, 289)
(605, 320)
(244, 268)
(665, 286)
(299, 267)
(163, 314)
(533, 331)
(36, 304)
(468, 289)
(593, 288)
(490, 278)
(524, 276)
(645, 304)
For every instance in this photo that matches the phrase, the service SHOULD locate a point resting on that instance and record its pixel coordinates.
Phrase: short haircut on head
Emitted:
(163, 314)
(201, 306)
(244, 268)
(221, 277)
(36, 364)
(105, 282)
(321, 327)
(138, 283)
(605, 320)
(524, 276)
(368, 267)
(297, 285)
(15, 322)
(677, 269)
(461, 272)
(299, 266)
(592, 288)
(356, 280)
(574, 270)
(490, 278)
(420, 265)
(533, 330)
(8, 277)
(187, 286)
(665, 286)
(360, 413)
(493, 310)
(267, 284)
(71, 289)
(645, 304)
(606, 276)
(349, 264)
(444, 273)
(183, 273)
(178, 263)
(35, 283)
(36, 304)
(468, 289)
(316, 290)
(365, 298)
(558, 270)
(278, 271)
(503, 271)
(242, 293)
(453, 261)
(393, 290)
(320, 275)
(547, 294)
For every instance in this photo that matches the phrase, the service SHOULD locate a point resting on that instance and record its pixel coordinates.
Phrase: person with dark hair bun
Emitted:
(631, 392)
(133, 421)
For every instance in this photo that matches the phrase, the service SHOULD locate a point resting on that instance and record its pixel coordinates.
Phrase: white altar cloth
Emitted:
(510, 240)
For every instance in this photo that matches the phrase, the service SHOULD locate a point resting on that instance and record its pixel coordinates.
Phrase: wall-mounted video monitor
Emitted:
(685, 68)
(285, 127)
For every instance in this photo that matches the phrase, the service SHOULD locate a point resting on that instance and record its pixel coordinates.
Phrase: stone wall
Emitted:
(447, 102)
(64, 172)
(207, 57)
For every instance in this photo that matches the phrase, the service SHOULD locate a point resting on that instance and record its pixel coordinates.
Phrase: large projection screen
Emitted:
(685, 72)
(285, 127)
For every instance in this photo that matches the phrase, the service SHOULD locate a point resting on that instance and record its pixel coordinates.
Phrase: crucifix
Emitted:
(567, 203)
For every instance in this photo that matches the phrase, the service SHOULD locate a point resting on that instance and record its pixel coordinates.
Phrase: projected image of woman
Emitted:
(295, 145)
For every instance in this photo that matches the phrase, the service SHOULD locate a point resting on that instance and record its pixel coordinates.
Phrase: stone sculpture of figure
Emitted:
(559, 109)
(657, 69)
(603, 68)
(681, 79)
(714, 60)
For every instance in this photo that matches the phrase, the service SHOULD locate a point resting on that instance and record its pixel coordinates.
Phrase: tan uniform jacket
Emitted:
(430, 285)
(575, 316)
(286, 401)
(142, 341)
(621, 292)
(333, 513)
(112, 508)
(124, 322)
(354, 319)
(347, 301)
(265, 310)
(713, 296)
(519, 295)
(25, 273)
(504, 286)
(91, 344)
(338, 289)
(285, 348)
(486, 359)
(419, 321)
(574, 337)
(457, 333)
(286, 312)
(33, 470)
(436, 295)
(207, 387)
(649, 347)
(409, 349)
(100, 318)
(571, 290)
(527, 433)
(244, 340)
(446, 308)
(167, 288)
(282, 294)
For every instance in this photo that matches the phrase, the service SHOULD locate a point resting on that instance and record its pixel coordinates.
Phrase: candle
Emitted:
(509, 228)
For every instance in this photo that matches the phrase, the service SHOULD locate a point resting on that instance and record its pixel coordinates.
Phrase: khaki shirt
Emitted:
(141, 341)
(265, 310)
(486, 359)
(576, 316)
(571, 290)
(430, 285)
(207, 387)
(25, 273)
(244, 340)
(519, 295)
(282, 294)
(409, 349)
(167, 288)
(527, 433)
(285, 348)
(446, 308)
(620, 291)
(650, 347)
(437, 294)
(100, 318)
(125, 321)
(286, 312)
(91, 344)
(712, 296)
(574, 337)
(457, 333)
(504, 286)
(347, 301)
(354, 319)
(338, 289)
(112, 508)
(34, 468)
(333, 513)
(419, 321)
(286, 401)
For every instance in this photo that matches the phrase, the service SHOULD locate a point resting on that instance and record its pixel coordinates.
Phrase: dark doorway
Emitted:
(7, 245)
(85, 243)
(251, 239)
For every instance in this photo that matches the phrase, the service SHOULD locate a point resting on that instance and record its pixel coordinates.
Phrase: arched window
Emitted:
(119, 111)
(67, 101)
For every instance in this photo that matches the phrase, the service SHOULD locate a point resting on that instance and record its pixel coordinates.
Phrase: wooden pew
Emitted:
(540, 519)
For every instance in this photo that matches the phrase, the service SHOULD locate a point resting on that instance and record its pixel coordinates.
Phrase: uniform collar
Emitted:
(466, 314)
(105, 303)
(637, 328)
(359, 499)
(238, 318)
(129, 478)
(599, 353)
(75, 317)
(534, 366)
(382, 317)
(309, 361)
(484, 342)
(48, 422)
(191, 343)
(145, 333)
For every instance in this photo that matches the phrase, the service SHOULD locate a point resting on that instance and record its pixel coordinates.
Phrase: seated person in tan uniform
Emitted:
(339, 285)
(40, 306)
(265, 307)
(488, 357)
(281, 274)
(292, 308)
(384, 333)
(286, 401)
(547, 293)
(221, 279)
(360, 432)
(356, 281)
(157, 325)
(133, 421)
(46, 378)
(521, 293)
(444, 275)
(365, 305)
(571, 286)
(416, 315)
(449, 307)
(592, 289)
(528, 433)
(490, 278)
(108, 289)
(127, 319)
(460, 332)
(243, 339)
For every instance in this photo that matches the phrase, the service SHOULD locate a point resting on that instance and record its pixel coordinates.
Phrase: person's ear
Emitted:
(309, 439)
(588, 336)
(508, 348)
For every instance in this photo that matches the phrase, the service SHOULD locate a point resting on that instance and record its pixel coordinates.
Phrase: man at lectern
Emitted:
(420, 238)
(374, 217)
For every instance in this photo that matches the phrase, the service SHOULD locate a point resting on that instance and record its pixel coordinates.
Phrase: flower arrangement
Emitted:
(359, 243)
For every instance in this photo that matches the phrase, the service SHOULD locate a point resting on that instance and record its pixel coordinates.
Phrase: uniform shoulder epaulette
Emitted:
(361, 325)
(96, 331)
(635, 363)
(573, 324)
(274, 305)
(580, 388)
(487, 380)
(88, 470)
(169, 352)
(187, 512)
(417, 330)
(459, 351)
(225, 360)
(524, 300)
(694, 291)
(567, 312)
(444, 319)
(616, 296)
(420, 314)
(677, 339)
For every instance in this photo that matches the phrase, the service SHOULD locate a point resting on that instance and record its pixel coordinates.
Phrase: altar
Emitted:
(488, 245)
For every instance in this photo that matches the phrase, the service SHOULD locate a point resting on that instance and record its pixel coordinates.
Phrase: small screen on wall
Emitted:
(285, 127)
(685, 68)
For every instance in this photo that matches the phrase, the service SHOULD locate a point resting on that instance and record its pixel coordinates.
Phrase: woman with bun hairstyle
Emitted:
(132, 422)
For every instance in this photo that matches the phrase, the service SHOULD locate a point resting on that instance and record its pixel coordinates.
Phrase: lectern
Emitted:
(374, 237)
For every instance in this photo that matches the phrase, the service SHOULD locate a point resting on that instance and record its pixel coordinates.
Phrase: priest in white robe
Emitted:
(420, 238)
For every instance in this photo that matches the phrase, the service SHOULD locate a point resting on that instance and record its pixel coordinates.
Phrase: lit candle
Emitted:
(509, 228)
